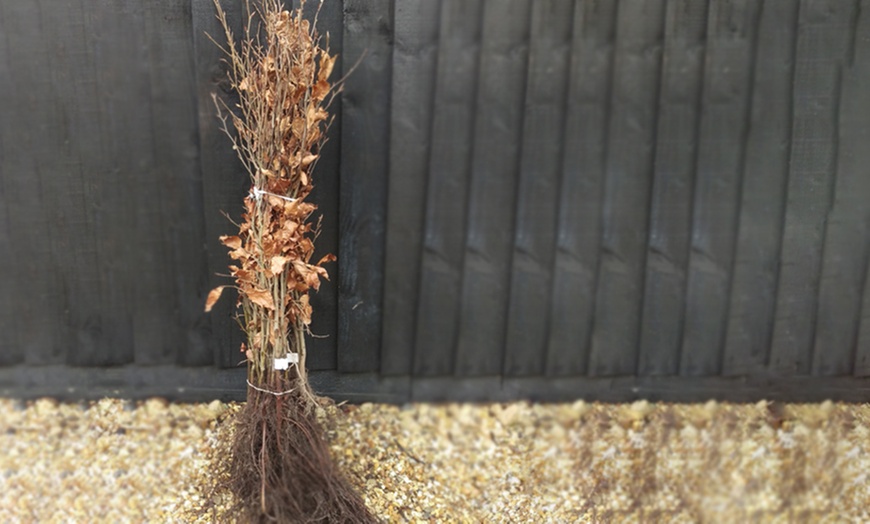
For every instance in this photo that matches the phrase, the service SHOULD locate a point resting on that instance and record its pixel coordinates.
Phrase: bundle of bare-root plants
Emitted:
(280, 468)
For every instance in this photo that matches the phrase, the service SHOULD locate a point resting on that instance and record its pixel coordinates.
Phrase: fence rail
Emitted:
(540, 199)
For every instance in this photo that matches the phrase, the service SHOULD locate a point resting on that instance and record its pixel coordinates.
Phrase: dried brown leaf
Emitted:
(238, 254)
(213, 296)
(232, 242)
(326, 64)
(261, 297)
(327, 259)
(304, 310)
(320, 90)
(276, 265)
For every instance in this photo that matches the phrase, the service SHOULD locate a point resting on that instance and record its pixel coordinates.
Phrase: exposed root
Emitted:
(280, 468)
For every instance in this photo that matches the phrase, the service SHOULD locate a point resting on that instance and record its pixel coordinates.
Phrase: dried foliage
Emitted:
(281, 469)
(281, 73)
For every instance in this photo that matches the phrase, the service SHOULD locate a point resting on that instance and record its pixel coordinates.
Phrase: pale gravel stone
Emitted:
(116, 461)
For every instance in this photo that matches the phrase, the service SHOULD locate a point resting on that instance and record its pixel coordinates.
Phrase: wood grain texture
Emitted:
(86, 128)
(449, 171)
(540, 163)
(176, 186)
(492, 197)
(32, 131)
(365, 139)
(667, 255)
(224, 181)
(731, 37)
(415, 61)
(762, 207)
(631, 146)
(12, 175)
(322, 347)
(847, 328)
(847, 225)
(578, 233)
(823, 42)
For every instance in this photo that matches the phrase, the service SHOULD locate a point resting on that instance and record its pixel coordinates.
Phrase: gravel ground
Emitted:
(117, 461)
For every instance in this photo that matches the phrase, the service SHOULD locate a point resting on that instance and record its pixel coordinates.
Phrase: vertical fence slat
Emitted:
(129, 140)
(11, 351)
(447, 190)
(77, 189)
(847, 239)
(578, 232)
(168, 30)
(674, 173)
(224, 182)
(365, 140)
(497, 136)
(854, 157)
(87, 135)
(154, 333)
(630, 145)
(29, 160)
(537, 199)
(822, 43)
(323, 346)
(414, 70)
(753, 288)
(731, 34)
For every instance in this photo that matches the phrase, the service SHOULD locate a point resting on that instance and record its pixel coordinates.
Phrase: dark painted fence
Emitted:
(545, 199)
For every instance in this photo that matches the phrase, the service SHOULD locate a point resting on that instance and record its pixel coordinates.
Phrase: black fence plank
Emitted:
(673, 179)
(415, 57)
(58, 136)
(447, 190)
(33, 129)
(127, 148)
(224, 182)
(323, 346)
(860, 61)
(537, 200)
(497, 137)
(579, 223)
(823, 40)
(365, 139)
(756, 263)
(845, 259)
(73, 189)
(630, 145)
(11, 351)
(168, 30)
(731, 32)
(158, 140)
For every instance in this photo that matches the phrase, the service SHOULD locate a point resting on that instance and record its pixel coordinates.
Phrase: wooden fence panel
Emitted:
(365, 141)
(845, 252)
(491, 201)
(540, 166)
(824, 36)
(845, 262)
(762, 208)
(534, 199)
(731, 33)
(630, 148)
(224, 182)
(415, 61)
(323, 346)
(673, 180)
(437, 326)
(578, 232)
